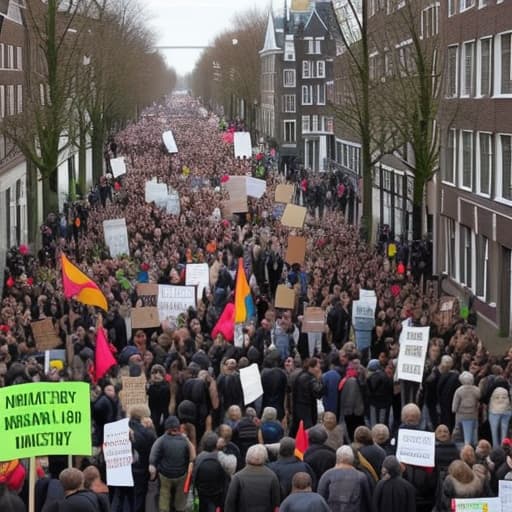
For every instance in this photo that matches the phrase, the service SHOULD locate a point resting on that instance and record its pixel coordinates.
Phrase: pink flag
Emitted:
(226, 323)
(103, 358)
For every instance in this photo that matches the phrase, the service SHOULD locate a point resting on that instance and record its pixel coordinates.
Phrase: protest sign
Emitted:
(173, 300)
(416, 447)
(314, 320)
(236, 187)
(285, 297)
(237, 205)
(250, 380)
(477, 505)
(255, 187)
(505, 494)
(117, 450)
(363, 320)
(45, 335)
(197, 274)
(169, 142)
(45, 418)
(446, 311)
(156, 192)
(133, 392)
(144, 318)
(278, 210)
(413, 351)
(116, 237)
(243, 145)
(296, 250)
(284, 193)
(118, 166)
(294, 216)
(146, 294)
(173, 205)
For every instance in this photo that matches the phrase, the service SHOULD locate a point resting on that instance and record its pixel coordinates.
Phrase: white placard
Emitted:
(243, 145)
(250, 379)
(117, 450)
(368, 296)
(197, 274)
(416, 447)
(173, 206)
(505, 494)
(413, 351)
(169, 142)
(116, 237)
(478, 505)
(256, 187)
(174, 300)
(156, 192)
(118, 166)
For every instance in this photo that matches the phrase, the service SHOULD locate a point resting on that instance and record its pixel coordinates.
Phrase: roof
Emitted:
(270, 44)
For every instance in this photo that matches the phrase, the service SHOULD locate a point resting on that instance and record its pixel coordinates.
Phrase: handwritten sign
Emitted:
(296, 250)
(284, 193)
(157, 193)
(144, 318)
(116, 237)
(314, 320)
(133, 392)
(45, 418)
(173, 300)
(293, 216)
(250, 380)
(117, 450)
(255, 187)
(416, 447)
(413, 351)
(45, 335)
(505, 494)
(118, 166)
(197, 274)
(243, 145)
(173, 205)
(285, 297)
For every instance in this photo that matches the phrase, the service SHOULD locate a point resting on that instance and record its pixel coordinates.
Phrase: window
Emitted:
(19, 58)
(289, 51)
(320, 94)
(466, 4)
(306, 124)
(373, 63)
(483, 3)
(484, 162)
(465, 258)
(2, 101)
(314, 46)
(10, 100)
(314, 122)
(451, 157)
(289, 132)
(320, 69)
(388, 63)
(430, 21)
(19, 99)
(466, 174)
(307, 95)
(10, 56)
(405, 57)
(482, 264)
(468, 58)
(306, 69)
(504, 175)
(505, 69)
(289, 103)
(484, 66)
(289, 77)
(452, 7)
(452, 71)
(450, 246)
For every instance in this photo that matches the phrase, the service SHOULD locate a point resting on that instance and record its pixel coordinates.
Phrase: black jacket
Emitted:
(394, 494)
(320, 458)
(286, 468)
(143, 439)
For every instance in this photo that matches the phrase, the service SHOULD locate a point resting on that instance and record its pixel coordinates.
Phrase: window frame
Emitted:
(309, 88)
(454, 156)
(479, 67)
(293, 73)
(498, 193)
(456, 67)
(461, 160)
(497, 72)
(478, 162)
(292, 122)
(464, 93)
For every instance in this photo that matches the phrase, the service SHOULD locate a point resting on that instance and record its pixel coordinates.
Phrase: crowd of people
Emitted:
(195, 421)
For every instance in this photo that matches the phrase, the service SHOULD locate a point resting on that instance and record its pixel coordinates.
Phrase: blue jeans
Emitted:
(499, 427)
(469, 431)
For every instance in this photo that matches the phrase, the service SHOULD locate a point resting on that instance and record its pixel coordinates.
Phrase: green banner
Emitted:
(45, 418)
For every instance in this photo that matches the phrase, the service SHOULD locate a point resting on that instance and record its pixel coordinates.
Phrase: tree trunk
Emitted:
(82, 163)
(417, 207)
(50, 194)
(33, 219)
(97, 143)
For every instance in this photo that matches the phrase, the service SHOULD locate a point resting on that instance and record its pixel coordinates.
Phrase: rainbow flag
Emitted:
(81, 287)
(244, 305)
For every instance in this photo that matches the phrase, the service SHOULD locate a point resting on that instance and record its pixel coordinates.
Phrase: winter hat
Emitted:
(374, 365)
(126, 353)
(466, 379)
(392, 466)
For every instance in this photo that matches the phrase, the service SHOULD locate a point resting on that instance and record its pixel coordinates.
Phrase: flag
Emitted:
(301, 441)
(226, 323)
(244, 305)
(81, 287)
(103, 357)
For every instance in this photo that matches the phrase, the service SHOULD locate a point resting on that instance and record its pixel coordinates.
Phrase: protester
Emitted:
(302, 498)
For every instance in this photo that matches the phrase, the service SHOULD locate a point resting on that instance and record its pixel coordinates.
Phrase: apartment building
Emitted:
(474, 229)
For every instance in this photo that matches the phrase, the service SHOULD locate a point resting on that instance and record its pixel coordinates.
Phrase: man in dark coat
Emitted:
(307, 389)
(319, 456)
(393, 492)
(274, 382)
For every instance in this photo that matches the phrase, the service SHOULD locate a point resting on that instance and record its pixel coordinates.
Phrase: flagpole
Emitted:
(32, 485)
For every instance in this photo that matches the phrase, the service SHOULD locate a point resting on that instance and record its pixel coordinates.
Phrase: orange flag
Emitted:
(80, 286)
(103, 357)
(301, 441)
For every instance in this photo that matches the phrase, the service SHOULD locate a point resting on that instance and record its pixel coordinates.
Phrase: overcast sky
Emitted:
(194, 23)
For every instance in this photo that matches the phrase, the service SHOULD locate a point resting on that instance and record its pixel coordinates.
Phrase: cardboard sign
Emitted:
(118, 166)
(169, 142)
(45, 335)
(285, 297)
(314, 320)
(250, 379)
(446, 311)
(243, 145)
(197, 274)
(416, 447)
(173, 300)
(232, 206)
(255, 187)
(133, 392)
(117, 450)
(116, 237)
(144, 318)
(413, 352)
(296, 250)
(236, 187)
(45, 418)
(294, 216)
(478, 505)
(284, 193)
